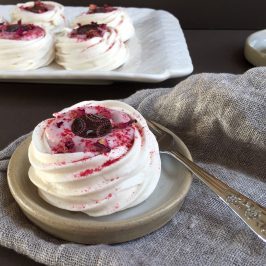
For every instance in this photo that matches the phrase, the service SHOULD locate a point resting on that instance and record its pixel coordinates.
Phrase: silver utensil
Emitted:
(253, 214)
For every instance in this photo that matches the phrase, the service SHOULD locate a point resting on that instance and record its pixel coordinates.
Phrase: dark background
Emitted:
(215, 32)
(197, 14)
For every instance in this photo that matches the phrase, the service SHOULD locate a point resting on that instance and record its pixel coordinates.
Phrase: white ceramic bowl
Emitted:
(255, 48)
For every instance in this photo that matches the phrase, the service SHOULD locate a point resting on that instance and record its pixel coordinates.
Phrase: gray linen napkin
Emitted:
(221, 118)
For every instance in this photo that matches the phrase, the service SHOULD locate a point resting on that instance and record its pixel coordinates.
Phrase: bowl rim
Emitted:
(252, 54)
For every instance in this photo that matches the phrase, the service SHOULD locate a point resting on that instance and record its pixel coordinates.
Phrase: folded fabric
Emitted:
(222, 120)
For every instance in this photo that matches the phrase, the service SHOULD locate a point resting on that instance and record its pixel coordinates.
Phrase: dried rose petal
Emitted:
(18, 28)
(59, 124)
(37, 8)
(69, 144)
(89, 31)
(124, 125)
(101, 147)
(101, 9)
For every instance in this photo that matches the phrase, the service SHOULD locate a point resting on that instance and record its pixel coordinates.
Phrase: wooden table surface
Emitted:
(215, 40)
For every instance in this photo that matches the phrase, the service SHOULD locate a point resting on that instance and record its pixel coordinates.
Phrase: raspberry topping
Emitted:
(20, 31)
(38, 8)
(100, 9)
(89, 31)
(69, 144)
(59, 124)
(93, 129)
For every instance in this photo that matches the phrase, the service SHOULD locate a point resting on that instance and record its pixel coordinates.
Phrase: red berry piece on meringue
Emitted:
(25, 46)
(91, 47)
(114, 17)
(2, 20)
(47, 14)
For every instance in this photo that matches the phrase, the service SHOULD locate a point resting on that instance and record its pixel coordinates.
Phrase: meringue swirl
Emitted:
(47, 14)
(25, 47)
(116, 18)
(90, 47)
(80, 174)
(2, 20)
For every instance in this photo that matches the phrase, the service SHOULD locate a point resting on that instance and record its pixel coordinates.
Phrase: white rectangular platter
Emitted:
(157, 52)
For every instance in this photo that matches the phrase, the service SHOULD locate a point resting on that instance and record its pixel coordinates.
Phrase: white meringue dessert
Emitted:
(2, 20)
(114, 17)
(94, 157)
(47, 14)
(25, 47)
(90, 47)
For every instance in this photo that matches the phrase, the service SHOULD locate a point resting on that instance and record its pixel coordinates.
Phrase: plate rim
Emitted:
(38, 212)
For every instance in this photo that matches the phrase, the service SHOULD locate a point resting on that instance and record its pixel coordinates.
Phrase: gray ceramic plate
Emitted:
(129, 224)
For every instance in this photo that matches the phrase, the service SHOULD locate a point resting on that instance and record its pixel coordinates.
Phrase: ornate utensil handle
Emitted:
(253, 214)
